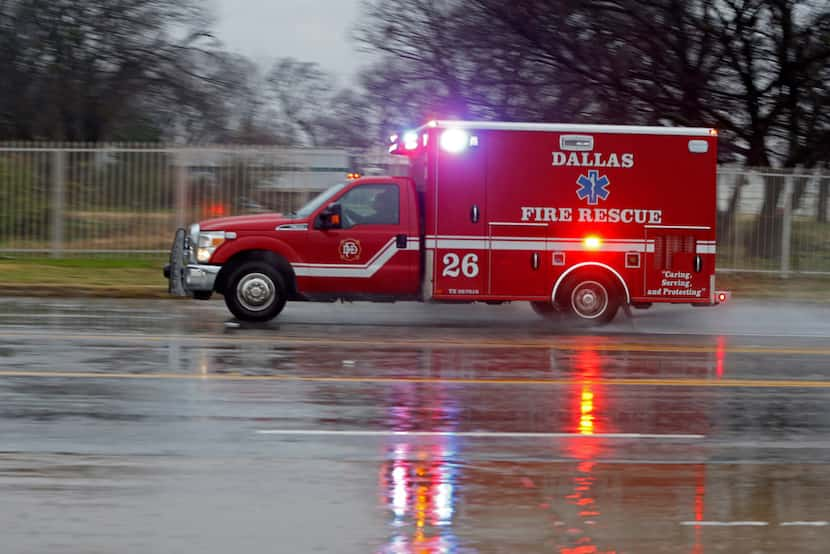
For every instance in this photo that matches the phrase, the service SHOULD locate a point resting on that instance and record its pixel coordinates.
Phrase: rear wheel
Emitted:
(590, 298)
(255, 291)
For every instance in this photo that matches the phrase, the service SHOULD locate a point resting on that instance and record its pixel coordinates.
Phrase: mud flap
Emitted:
(177, 265)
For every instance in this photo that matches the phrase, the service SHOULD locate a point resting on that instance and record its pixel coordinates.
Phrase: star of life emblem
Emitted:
(593, 187)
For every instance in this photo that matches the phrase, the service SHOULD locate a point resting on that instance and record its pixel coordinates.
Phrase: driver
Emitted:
(385, 206)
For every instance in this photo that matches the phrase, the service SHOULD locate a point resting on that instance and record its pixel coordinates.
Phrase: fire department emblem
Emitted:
(350, 250)
(593, 187)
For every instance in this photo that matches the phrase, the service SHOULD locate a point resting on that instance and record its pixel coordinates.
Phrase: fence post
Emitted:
(57, 215)
(787, 227)
(180, 184)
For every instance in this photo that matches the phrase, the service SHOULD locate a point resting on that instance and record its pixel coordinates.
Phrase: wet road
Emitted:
(157, 427)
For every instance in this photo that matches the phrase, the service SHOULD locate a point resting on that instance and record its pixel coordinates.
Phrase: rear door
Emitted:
(676, 267)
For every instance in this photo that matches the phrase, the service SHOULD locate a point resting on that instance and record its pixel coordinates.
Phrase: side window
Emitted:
(371, 205)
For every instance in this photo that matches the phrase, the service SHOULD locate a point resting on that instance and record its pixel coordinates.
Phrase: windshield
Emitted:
(318, 201)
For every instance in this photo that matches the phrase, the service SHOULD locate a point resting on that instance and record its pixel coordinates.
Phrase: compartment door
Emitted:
(520, 266)
(460, 243)
(677, 267)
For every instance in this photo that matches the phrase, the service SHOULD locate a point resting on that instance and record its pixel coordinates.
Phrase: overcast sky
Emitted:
(310, 30)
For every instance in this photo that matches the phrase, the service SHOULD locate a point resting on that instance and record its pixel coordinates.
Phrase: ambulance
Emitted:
(574, 219)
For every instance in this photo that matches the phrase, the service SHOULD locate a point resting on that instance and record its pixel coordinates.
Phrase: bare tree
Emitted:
(80, 69)
(759, 70)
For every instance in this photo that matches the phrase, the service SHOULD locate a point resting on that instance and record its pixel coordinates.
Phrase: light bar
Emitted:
(410, 140)
(455, 140)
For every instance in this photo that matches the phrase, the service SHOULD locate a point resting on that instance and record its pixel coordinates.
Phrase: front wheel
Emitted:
(255, 292)
(591, 299)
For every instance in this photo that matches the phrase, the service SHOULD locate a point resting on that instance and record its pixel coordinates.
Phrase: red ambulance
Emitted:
(574, 218)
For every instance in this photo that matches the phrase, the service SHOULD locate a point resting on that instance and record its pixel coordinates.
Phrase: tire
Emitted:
(545, 309)
(255, 292)
(590, 298)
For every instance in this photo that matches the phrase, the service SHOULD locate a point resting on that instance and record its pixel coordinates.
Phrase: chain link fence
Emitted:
(60, 199)
(69, 199)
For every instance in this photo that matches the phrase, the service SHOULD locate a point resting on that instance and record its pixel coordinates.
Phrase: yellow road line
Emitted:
(627, 382)
(587, 344)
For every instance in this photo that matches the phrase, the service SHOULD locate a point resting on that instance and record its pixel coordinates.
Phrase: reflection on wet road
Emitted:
(156, 427)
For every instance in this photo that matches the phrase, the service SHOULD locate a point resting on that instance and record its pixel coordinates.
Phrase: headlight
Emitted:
(207, 245)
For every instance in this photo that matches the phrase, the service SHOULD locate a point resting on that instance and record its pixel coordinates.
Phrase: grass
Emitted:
(114, 276)
(141, 277)
(772, 287)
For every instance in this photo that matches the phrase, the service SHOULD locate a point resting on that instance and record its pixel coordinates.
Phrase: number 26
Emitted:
(468, 265)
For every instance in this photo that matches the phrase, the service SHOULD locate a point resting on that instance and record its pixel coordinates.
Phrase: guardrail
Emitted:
(69, 199)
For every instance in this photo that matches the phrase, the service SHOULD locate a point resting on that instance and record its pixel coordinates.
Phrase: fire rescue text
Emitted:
(592, 215)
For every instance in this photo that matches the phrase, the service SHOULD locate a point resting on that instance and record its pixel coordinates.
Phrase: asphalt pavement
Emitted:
(165, 426)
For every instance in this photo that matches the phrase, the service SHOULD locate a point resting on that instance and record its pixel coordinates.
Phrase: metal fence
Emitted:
(773, 221)
(67, 199)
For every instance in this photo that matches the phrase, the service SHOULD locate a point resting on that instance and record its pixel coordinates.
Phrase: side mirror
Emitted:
(330, 218)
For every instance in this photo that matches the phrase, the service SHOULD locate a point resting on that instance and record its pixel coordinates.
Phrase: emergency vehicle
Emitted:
(580, 219)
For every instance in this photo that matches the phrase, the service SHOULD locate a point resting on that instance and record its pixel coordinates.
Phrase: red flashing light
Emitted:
(592, 242)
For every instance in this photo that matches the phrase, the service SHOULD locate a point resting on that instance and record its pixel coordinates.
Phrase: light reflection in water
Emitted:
(420, 481)
(585, 449)
(420, 489)
(586, 410)
(720, 356)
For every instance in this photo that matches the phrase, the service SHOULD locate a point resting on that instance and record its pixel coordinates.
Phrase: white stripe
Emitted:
(562, 239)
(359, 271)
(706, 249)
(604, 247)
(804, 524)
(469, 244)
(502, 244)
(570, 128)
(536, 243)
(473, 237)
(521, 224)
(469, 434)
(691, 227)
(377, 255)
(726, 523)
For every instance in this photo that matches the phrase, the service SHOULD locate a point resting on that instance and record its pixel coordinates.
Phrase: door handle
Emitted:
(474, 214)
(535, 260)
(400, 241)
(698, 263)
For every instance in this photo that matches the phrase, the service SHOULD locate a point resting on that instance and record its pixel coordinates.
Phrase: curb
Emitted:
(75, 291)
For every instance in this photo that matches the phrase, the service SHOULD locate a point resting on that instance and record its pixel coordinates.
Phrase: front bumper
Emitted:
(186, 278)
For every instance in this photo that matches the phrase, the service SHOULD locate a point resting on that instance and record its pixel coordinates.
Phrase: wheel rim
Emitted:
(256, 292)
(589, 299)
